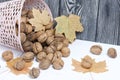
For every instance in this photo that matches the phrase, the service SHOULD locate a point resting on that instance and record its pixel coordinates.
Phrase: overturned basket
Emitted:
(10, 12)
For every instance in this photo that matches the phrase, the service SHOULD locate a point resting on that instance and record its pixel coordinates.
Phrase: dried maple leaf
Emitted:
(40, 19)
(24, 71)
(68, 26)
(97, 67)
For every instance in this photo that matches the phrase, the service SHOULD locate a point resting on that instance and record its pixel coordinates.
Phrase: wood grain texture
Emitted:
(4, 0)
(54, 6)
(108, 22)
(100, 19)
(88, 19)
(119, 23)
(67, 7)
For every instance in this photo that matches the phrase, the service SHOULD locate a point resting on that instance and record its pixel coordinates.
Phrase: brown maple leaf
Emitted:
(69, 26)
(24, 71)
(97, 67)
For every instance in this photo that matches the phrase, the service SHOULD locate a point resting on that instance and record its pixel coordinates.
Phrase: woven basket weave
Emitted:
(10, 12)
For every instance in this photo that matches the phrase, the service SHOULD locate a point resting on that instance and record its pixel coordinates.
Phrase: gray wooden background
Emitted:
(100, 18)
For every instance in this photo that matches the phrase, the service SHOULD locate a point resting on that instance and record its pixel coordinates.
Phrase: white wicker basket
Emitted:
(10, 12)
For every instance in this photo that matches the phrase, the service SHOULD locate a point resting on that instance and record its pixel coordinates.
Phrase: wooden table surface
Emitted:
(100, 18)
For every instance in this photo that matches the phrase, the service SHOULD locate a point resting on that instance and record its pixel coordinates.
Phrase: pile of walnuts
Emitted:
(44, 45)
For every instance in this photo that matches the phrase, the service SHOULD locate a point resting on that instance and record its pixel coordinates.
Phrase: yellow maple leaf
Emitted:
(40, 19)
(68, 26)
(97, 67)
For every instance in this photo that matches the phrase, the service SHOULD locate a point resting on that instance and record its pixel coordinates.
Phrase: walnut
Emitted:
(38, 33)
(24, 19)
(31, 36)
(53, 43)
(34, 35)
(50, 56)
(86, 62)
(53, 47)
(19, 65)
(58, 35)
(44, 64)
(55, 56)
(112, 53)
(28, 56)
(65, 51)
(40, 56)
(28, 28)
(58, 54)
(34, 72)
(59, 45)
(59, 39)
(65, 42)
(50, 32)
(49, 50)
(27, 46)
(22, 26)
(42, 38)
(37, 47)
(96, 49)
(7, 55)
(58, 64)
(50, 40)
(23, 37)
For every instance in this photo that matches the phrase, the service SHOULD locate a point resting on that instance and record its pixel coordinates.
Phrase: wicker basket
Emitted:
(10, 12)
